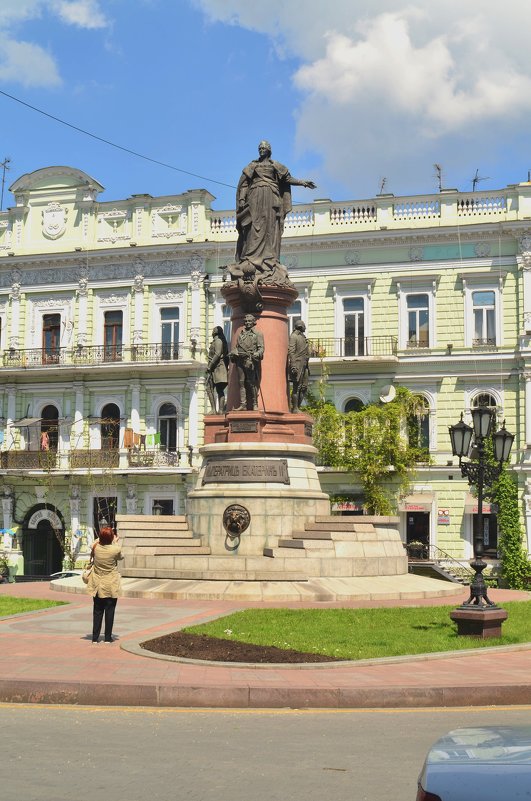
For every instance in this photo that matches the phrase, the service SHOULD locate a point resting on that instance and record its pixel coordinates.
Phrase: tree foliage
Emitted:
(372, 443)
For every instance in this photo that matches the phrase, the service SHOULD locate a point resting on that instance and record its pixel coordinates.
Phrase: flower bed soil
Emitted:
(213, 649)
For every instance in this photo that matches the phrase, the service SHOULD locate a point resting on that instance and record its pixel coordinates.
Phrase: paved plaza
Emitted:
(47, 657)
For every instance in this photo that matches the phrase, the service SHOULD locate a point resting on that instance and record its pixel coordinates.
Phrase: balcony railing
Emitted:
(354, 346)
(98, 354)
(87, 458)
(29, 460)
(154, 458)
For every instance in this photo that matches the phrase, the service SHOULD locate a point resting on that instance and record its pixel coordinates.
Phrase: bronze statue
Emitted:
(263, 198)
(298, 365)
(217, 370)
(247, 357)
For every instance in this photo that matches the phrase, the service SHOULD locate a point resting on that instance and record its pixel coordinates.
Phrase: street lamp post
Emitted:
(479, 616)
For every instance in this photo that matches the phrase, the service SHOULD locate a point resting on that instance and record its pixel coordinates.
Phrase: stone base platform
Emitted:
(363, 588)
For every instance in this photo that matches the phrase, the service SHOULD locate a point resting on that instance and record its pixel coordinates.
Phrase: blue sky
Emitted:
(347, 91)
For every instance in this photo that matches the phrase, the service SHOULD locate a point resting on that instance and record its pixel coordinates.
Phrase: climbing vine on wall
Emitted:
(516, 567)
(372, 443)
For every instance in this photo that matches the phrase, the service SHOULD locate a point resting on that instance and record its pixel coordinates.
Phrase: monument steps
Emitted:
(213, 575)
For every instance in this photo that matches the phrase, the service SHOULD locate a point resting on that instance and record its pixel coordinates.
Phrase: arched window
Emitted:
(49, 428)
(168, 427)
(484, 399)
(354, 405)
(418, 426)
(110, 427)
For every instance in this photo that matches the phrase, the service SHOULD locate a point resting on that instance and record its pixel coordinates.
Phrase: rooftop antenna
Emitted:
(476, 179)
(5, 167)
(438, 174)
(383, 182)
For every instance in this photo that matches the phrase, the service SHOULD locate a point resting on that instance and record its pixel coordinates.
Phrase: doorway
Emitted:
(42, 552)
(418, 527)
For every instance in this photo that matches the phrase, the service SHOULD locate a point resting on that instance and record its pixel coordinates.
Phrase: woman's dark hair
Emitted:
(106, 535)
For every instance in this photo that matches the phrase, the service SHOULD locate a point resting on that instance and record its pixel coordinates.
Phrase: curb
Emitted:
(245, 697)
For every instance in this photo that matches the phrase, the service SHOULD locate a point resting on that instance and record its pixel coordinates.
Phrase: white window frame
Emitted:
(38, 307)
(354, 290)
(483, 283)
(406, 286)
(165, 299)
(163, 493)
(108, 303)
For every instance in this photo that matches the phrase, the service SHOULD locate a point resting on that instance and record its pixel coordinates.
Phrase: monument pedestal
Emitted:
(259, 426)
(277, 483)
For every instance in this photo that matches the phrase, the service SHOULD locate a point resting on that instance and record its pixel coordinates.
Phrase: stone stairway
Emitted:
(345, 546)
(163, 547)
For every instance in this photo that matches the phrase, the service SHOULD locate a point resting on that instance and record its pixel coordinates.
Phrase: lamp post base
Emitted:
(479, 622)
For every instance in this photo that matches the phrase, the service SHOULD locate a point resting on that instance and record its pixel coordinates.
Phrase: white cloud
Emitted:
(391, 87)
(28, 63)
(82, 13)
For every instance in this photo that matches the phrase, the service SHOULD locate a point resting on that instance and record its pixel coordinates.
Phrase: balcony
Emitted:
(154, 458)
(354, 347)
(98, 354)
(86, 459)
(29, 460)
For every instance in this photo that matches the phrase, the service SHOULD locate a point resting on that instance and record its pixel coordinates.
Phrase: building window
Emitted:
(110, 427)
(484, 399)
(226, 314)
(169, 321)
(167, 427)
(104, 513)
(484, 313)
(354, 322)
(113, 333)
(418, 429)
(51, 336)
(418, 321)
(294, 314)
(49, 429)
(354, 405)
(165, 506)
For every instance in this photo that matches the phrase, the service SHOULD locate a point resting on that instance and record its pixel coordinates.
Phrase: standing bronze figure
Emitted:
(247, 357)
(263, 198)
(217, 370)
(298, 365)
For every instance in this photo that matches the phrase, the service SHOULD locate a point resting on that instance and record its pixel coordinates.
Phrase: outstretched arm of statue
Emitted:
(301, 182)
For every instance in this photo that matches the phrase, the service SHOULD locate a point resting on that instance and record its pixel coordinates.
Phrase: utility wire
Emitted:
(113, 144)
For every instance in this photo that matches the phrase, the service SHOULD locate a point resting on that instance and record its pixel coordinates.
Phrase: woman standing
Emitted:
(104, 582)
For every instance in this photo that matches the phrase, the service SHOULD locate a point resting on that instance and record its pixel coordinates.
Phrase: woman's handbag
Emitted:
(86, 574)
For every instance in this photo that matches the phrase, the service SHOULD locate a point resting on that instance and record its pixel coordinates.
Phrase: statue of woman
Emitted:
(263, 198)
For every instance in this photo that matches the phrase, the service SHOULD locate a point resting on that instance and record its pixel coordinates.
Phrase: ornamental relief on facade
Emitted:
(54, 220)
(107, 272)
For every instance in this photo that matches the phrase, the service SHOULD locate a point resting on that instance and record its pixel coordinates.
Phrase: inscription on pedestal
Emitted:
(247, 471)
(244, 427)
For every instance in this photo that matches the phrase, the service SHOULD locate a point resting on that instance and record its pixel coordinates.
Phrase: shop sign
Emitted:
(443, 517)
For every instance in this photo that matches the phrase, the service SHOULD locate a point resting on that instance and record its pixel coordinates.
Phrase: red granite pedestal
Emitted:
(259, 426)
(482, 622)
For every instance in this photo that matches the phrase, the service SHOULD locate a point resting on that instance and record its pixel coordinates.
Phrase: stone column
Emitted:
(527, 501)
(7, 507)
(193, 411)
(524, 263)
(77, 428)
(15, 296)
(82, 308)
(196, 274)
(11, 411)
(135, 405)
(527, 377)
(138, 304)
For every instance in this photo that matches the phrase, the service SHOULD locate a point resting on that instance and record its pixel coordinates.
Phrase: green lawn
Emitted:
(362, 633)
(13, 606)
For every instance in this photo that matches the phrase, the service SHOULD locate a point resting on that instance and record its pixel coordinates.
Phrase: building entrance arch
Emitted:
(42, 531)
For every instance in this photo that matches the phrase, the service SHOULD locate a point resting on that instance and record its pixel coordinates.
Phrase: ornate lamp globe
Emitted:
(482, 421)
(503, 442)
(461, 437)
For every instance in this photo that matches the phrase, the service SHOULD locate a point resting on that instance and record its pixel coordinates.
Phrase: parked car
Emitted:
(488, 763)
(65, 574)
